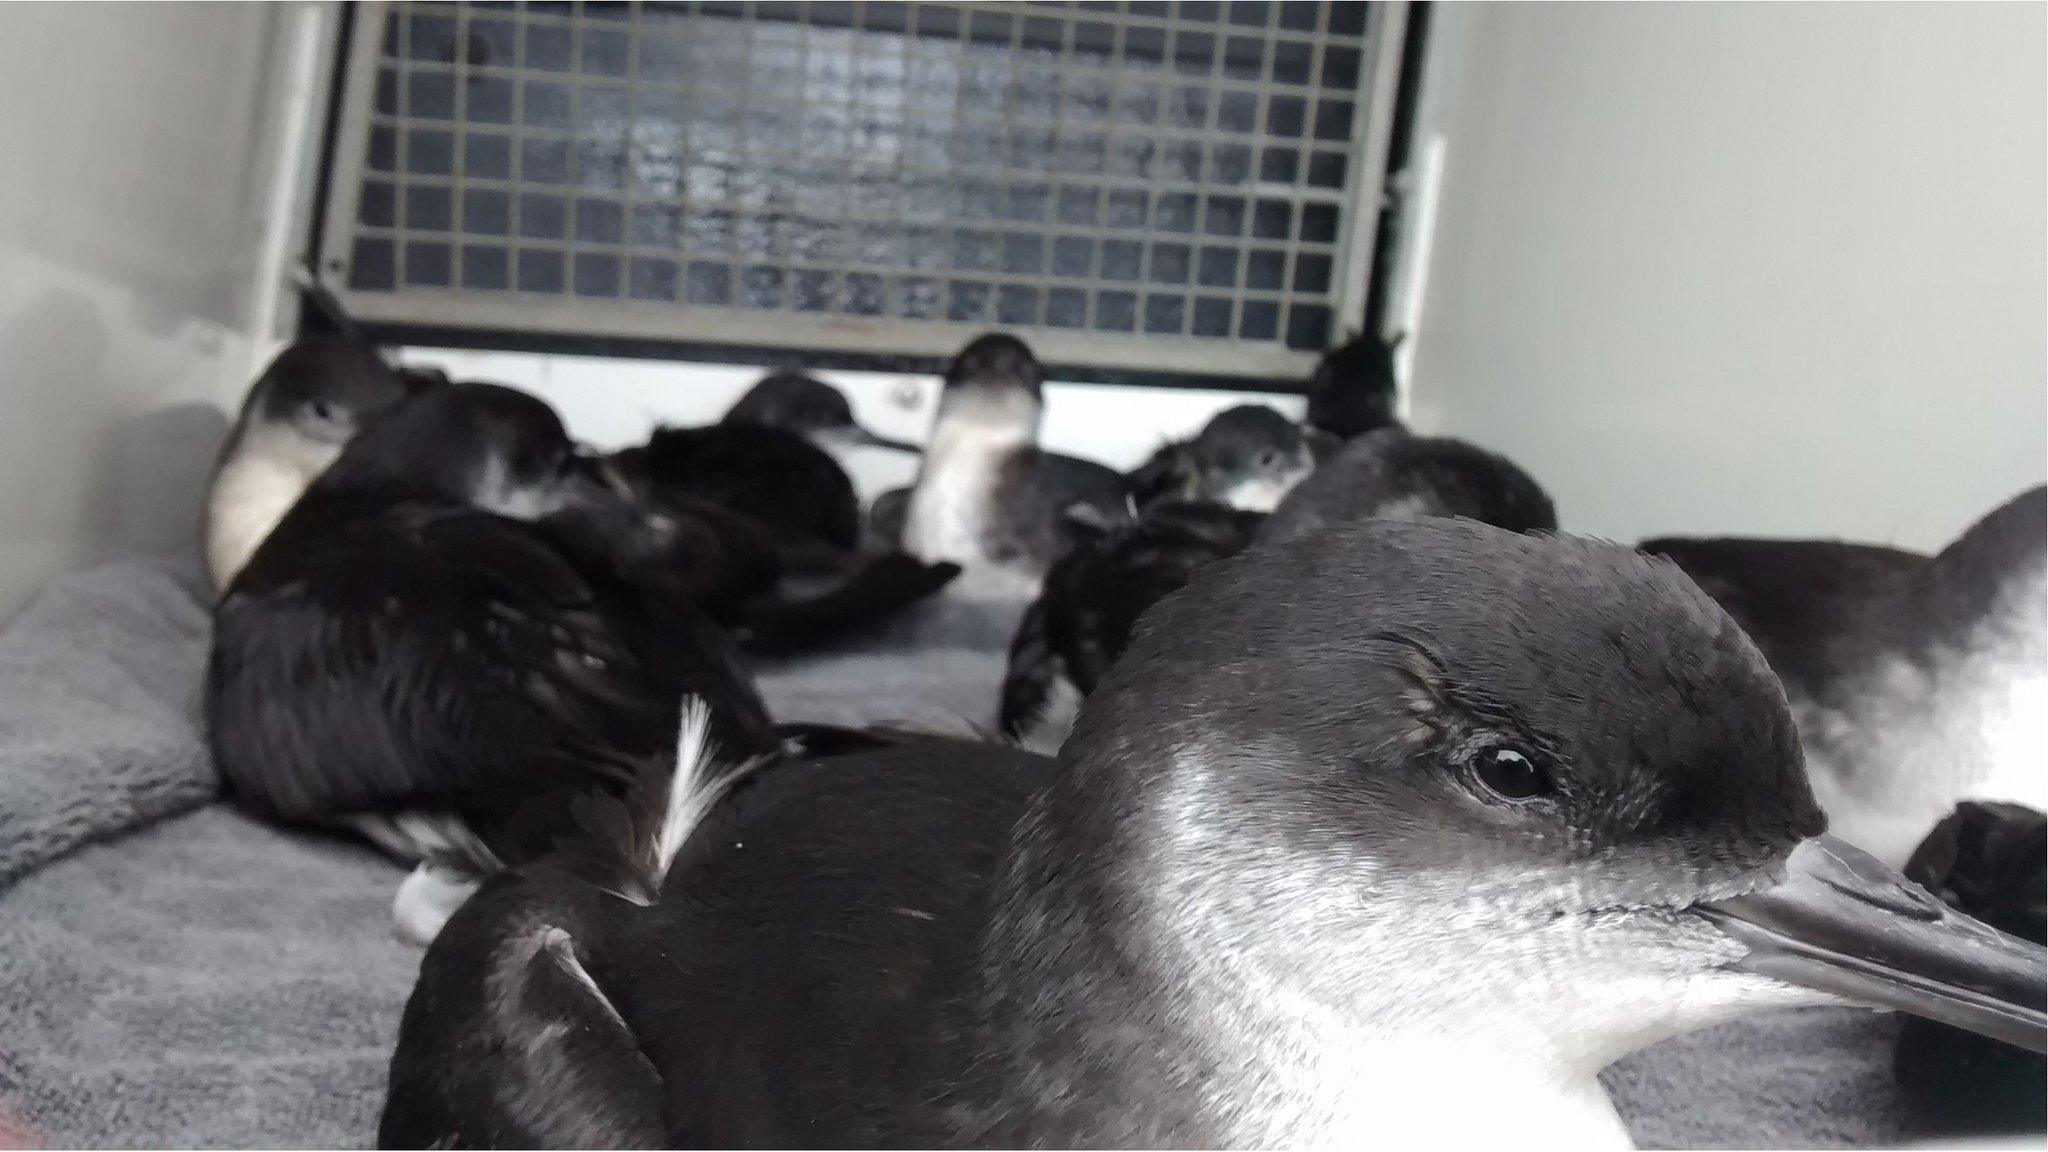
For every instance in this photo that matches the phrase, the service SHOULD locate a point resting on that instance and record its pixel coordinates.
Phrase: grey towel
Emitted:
(211, 981)
(208, 982)
(1808, 1078)
(99, 692)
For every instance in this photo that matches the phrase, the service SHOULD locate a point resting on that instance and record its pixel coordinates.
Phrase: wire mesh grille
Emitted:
(1155, 172)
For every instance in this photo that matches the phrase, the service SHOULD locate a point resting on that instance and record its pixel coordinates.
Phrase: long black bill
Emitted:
(1844, 923)
(861, 437)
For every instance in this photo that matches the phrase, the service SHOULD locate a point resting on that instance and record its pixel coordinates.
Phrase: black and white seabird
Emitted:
(1247, 457)
(1399, 806)
(987, 497)
(1083, 617)
(1198, 501)
(800, 403)
(1918, 681)
(457, 631)
(1353, 390)
(793, 403)
(784, 505)
(1989, 861)
(1390, 474)
(795, 490)
(296, 418)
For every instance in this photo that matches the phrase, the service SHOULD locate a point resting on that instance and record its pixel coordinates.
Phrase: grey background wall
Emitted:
(144, 149)
(1757, 268)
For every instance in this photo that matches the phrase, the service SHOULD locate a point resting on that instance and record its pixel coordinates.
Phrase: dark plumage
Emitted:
(1082, 617)
(1918, 681)
(1344, 800)
(456, 630)
(1817, 607)
(1798, 598)
(769, 458)
(1392, 475)
(987, 497)
(784, 518)
(1087, 490)
(1247, 457)
(781, 556)
(798, 494)
(1092, 599)
(1989, 861)
(809, 407)
(1353, 390)
(298, 415)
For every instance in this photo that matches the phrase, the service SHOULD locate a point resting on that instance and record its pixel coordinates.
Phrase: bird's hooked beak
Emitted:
(1842, 922)
(855, 436)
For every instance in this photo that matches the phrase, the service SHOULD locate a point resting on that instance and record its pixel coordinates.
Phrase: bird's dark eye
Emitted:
(324, 412)
(1269, 459)
(1510, 773)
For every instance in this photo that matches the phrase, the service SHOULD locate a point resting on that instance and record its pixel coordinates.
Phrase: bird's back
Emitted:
(1917, 680)
(1069, 481)
(1094, 602)
(778, 478)
(1091, 601)
(825, 928)
(390, 656)
(793, 986)
(1815, 608)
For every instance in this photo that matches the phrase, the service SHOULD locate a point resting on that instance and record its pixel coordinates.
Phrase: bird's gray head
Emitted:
(1464, 697)
(809, 407)
(483, 445)
(795, 402)
(1390, 474)
(995, 382)
(1353, 390)
(1440, 781)
(325, 389)
(1249, 457)
(298, 416)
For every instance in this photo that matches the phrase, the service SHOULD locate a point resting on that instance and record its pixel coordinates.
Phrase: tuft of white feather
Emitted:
(686, 791)
(427, 899)
(694, 788)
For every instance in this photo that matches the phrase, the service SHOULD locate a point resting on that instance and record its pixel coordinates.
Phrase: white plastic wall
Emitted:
(148, 150)
(1753, 268)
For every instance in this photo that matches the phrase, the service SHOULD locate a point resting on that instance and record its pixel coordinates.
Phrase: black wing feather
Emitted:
(450, 659)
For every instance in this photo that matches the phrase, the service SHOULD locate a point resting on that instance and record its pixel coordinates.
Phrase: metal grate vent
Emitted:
(1132, 185)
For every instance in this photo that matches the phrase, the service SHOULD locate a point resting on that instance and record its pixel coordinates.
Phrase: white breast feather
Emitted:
(259, 483)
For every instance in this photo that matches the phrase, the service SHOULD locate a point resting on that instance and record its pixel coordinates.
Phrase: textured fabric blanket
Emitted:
(174, 973)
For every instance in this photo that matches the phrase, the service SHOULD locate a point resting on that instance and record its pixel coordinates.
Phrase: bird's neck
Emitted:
(259, 480)
(1143, 1000)
(955, 500)
(975, 440)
